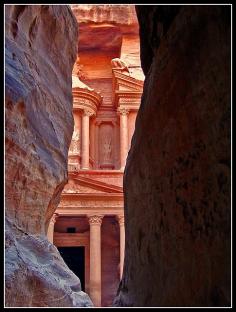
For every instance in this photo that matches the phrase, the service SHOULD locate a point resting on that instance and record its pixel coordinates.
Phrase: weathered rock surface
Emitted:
(177, 177)
(41, 47)
(118, 14)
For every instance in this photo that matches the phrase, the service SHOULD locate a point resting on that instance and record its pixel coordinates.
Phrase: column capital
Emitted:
(54, 218)
(88, 113)
(123, 111)
(95, 219)
(120, 219)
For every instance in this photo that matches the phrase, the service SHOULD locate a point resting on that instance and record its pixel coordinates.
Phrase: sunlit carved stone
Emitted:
(75, 142)
(118, 64)
(85, 138)
(105, 81)
(95, 222)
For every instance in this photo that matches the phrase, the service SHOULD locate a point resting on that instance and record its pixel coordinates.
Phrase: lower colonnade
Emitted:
(92, 242)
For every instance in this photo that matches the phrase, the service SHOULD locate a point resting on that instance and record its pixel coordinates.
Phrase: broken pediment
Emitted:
(73, 188)
(125, 82)
(127, 89)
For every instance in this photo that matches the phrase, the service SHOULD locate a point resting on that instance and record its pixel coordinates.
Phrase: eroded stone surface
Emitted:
(118, 14)
(177, 176)
(41, 46)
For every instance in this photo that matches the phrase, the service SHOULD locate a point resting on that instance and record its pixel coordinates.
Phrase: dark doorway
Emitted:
(74, 257)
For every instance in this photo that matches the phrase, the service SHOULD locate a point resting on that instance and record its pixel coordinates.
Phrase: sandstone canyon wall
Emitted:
(177, 176)
(41, 47)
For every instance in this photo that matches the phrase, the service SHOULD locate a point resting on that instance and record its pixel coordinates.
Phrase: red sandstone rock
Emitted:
(118, 14)
(40, 52)
(177, 176)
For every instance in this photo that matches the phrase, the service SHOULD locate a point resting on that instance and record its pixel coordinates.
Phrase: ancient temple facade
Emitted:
(107, 87)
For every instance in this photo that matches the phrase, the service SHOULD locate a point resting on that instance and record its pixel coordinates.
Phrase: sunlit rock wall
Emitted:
(177, 177)
(40, 50)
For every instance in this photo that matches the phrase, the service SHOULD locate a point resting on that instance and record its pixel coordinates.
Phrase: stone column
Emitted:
(95, 222)
(85, 139)
(92, 140)
(77, 119)
(51, 227)
(96, 144)
(121, 221)
(124, 140)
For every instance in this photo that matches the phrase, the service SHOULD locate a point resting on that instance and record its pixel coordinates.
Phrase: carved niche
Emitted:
(106, 146)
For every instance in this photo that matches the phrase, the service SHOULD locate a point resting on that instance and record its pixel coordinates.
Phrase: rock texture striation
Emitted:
(177, 176)
(41, 47)
(118, 14)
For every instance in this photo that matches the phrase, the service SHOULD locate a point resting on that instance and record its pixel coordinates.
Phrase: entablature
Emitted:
(80, 211)
(128, 99)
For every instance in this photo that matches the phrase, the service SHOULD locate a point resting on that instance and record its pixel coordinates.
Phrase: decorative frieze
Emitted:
(90, 203)
(86, 99)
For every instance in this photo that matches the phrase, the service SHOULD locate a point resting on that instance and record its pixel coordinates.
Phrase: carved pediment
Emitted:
(75, 188)
(123, 82)
(82, 185)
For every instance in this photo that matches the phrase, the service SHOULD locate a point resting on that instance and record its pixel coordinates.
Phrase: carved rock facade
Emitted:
(107, 87)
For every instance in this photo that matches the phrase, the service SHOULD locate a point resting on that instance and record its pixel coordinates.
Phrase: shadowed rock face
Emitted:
(177, 176)
(41, 47)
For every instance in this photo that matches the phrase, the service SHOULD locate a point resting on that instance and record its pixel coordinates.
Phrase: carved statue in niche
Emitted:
(117, 63)
(75, 142)
(107, 150)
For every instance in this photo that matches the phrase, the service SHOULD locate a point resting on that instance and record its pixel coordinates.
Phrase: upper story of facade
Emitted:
(107, 87)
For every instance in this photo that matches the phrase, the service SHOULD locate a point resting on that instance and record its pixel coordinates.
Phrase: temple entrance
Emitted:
(74, 257)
